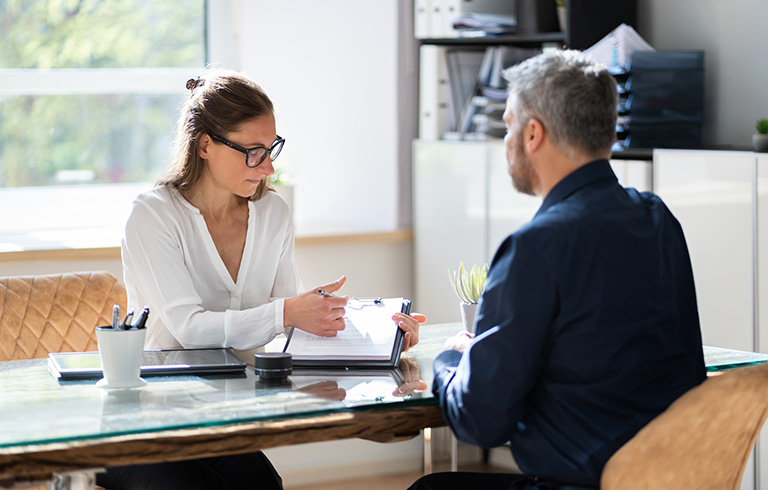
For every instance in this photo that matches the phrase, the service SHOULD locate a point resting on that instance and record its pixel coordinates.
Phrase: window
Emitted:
(89, 95)
(88, 87)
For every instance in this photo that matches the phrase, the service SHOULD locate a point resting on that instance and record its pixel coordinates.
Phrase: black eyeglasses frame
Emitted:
(276, 147)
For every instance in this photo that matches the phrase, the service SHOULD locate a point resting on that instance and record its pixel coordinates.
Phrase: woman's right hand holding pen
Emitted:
(317, 313)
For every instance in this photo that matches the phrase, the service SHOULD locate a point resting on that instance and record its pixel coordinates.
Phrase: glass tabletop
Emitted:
(718, 359)
(36, 408)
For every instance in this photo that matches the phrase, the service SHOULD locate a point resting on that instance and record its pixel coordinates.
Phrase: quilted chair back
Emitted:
(55, 313)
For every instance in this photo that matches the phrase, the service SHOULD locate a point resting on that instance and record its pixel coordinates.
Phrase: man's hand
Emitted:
(459, 342)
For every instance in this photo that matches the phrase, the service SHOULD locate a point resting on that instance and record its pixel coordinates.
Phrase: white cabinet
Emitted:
(449, 200)
(761, 223)
(464, 206)
(721, 201)
(508, 209)
(711, 194)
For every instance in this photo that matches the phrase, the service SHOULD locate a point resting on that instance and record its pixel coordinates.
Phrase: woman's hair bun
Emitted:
(193, 83)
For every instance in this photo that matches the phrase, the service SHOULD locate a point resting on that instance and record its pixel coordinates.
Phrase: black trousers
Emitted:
(487, 481)
(236, 472)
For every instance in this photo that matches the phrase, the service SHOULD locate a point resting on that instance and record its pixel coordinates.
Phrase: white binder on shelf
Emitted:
(435, 18)
(434, 92)
(450, 11)
(422, 17)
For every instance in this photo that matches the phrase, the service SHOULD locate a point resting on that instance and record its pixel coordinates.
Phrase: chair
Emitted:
(702, 441)
(55, 313)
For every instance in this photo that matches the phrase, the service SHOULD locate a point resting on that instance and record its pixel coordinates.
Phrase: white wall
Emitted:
(734, 37)
(331, 68)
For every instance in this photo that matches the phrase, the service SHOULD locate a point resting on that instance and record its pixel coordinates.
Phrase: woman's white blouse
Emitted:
(171, 264)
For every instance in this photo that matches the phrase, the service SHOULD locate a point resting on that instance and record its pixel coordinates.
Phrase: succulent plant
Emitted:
(469, 284)
(762, 126)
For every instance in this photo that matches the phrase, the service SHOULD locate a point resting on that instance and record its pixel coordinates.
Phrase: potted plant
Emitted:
(760, 139)
(281, 183)
(468, 286)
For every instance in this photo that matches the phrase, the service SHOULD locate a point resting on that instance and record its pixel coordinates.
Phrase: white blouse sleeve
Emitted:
(158, 274)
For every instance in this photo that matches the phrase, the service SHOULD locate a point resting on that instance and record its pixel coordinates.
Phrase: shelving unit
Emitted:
(463, 201)
(523, 40)
(587, 21)
(445, 99)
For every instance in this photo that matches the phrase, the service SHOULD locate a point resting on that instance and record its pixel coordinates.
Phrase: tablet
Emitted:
(84, 365)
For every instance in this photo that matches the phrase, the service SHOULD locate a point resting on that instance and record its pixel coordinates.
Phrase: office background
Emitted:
(343, 75)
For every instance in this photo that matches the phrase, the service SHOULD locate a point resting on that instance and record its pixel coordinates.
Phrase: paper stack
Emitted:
(615, 49)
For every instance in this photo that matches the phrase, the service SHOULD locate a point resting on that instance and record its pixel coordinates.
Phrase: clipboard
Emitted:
(370, 340)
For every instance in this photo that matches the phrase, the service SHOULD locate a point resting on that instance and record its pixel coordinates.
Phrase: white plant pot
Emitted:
(760, 142)
(468, 311)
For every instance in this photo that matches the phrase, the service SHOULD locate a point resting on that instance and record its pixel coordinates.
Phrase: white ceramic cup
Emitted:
(121, 353)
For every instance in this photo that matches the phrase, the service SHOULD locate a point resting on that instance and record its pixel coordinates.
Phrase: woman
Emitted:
(210, 251)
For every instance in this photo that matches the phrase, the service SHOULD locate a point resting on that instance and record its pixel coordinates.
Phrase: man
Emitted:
(588, 327)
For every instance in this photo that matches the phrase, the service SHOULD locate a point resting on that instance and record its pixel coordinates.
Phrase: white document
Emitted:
(370, 335)
(616, 48)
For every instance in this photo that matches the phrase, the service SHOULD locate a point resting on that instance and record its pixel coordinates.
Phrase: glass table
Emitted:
(50, 427)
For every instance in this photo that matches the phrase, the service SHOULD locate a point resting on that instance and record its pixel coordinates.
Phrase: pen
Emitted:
(116, 317)
(127, 321)
(326, 293)
(142, 320)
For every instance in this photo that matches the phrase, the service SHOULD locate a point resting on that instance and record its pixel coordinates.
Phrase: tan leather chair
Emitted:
(55, 313)
(702, 441)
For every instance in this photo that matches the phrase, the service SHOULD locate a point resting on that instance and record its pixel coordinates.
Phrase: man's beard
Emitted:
(521, 170)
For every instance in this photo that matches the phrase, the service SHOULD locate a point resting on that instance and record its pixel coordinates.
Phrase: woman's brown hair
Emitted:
(221, 100)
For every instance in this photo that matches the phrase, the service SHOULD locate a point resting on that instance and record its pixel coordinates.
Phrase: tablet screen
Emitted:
(156, 362)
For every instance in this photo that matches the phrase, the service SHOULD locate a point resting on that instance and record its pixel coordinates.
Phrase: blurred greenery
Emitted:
(121, 137)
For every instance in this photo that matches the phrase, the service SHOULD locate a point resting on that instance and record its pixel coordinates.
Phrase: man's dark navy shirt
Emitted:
(588, 328)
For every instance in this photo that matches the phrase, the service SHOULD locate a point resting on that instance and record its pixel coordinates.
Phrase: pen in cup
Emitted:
(141, 322)
(127, 321)
(116, 317)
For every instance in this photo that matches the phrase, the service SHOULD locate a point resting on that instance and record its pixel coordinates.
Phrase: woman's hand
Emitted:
(410, 370)
(410, 325)
(315, 313)
(329, 390)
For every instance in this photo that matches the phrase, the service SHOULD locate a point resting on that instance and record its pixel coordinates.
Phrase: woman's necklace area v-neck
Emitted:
(226, 249)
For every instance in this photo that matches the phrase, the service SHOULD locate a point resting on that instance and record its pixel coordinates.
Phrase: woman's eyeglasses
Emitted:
(255, 156)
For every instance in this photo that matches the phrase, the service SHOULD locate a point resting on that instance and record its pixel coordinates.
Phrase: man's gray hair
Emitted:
(572, 96)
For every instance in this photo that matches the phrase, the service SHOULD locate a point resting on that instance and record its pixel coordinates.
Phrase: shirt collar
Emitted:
(581, 177)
